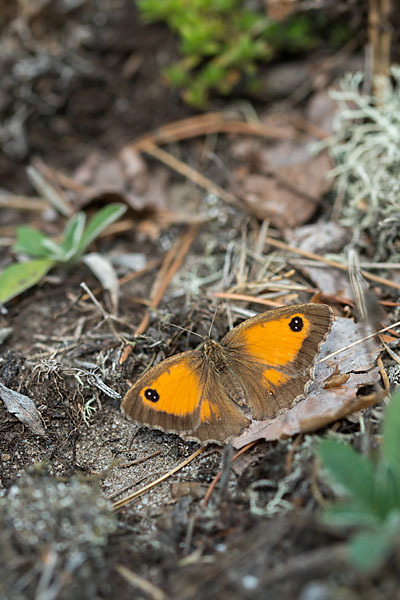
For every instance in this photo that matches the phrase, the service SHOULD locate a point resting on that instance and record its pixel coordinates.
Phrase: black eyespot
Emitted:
(296, 324)
(152, 395)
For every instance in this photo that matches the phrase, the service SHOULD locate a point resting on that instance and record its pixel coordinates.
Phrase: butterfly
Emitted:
(260, 367)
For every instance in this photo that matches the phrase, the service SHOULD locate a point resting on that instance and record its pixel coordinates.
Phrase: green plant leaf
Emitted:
(350, 469)
(99, 222)
(391, 430)
(387, 486)
(350, 514)
(30, 241)
(55, 251)
(368, 550)
(73, 234)
(19, 277)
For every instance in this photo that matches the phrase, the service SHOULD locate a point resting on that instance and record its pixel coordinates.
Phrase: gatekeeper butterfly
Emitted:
(259, 368)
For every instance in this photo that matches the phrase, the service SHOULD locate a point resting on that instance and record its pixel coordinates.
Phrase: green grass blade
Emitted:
(99, 222)
(19, 277)
(350, 469)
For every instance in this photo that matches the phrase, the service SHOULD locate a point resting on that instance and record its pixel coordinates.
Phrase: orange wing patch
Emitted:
(208, 411)
(275, 377)
(175, 391)
(276, 342)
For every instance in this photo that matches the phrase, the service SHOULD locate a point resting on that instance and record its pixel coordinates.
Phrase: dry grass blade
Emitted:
(219, 475)
(330, 263)
(148, 487)
(172, 262)
(26, 203)
(208, 124)
(246, 298)
(360, 341)
(139, 582)
(192, 174)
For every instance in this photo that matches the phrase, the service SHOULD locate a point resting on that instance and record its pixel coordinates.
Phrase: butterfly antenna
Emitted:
(188, 330)
(212, 323)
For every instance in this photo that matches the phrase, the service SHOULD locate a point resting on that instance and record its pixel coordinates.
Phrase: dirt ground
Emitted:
(260, 535)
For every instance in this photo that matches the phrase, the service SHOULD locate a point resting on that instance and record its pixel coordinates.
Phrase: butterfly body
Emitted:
(259, 368)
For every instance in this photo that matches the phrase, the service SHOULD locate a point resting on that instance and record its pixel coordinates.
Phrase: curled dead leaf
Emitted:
(23, 408)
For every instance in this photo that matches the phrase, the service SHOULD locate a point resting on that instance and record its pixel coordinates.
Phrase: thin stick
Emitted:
(148, 487)
(145, 586)
(327, 261)
(364, 339)
(192, 174)
(208, 124)
(246, 298)
(219, 475)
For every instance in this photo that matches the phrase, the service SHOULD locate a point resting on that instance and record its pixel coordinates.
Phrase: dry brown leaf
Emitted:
(23, 408)
(322, 406)
(288, 191)
(337, 379)
(321, 238)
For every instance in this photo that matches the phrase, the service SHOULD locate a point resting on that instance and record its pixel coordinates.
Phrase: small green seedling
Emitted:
(47, 253)
(222, 43)
(372, 488)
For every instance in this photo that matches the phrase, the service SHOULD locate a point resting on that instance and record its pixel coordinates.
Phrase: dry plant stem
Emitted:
(172, 262)
(245, 298)
(379, 36)
(148, 487)
(219, 475)
(191, 174)
(27, 203)
(382, 371)
(171, 265)
(129, 277)
(364, 339)
(307, 562)
(390, 352)
(139, 461)
(151, 590)
(128, 486)
(108, 318)
(60, 179)
(330, 263)
(206, 124)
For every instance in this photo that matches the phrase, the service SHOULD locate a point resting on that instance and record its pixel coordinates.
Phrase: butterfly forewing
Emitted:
(273, 354)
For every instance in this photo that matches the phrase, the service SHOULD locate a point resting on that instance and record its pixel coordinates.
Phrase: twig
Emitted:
(307, 562)
(192, 174)
(327, 261)
(28, 203)
(148, 487)
(207, 124)
(145, 586)
(364, 339)
(246, 298)
(139, 461)
(382, 371)
(219, 475)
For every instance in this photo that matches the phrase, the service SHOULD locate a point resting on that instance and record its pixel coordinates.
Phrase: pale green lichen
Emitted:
(365, 147)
